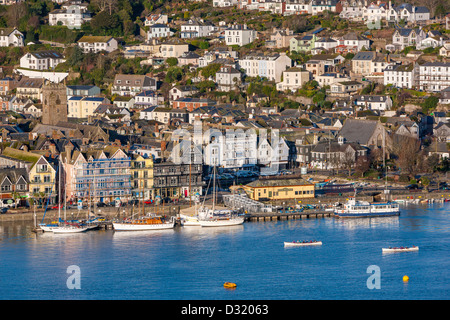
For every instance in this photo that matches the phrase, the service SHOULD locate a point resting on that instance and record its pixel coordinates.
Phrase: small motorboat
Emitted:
(302, 243)
(400, 249)
(229, 285)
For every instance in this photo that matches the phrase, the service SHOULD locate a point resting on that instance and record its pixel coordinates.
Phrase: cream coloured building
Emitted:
(293, 79)
(83, 107)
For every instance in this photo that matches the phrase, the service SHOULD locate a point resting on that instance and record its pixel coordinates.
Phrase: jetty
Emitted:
(282, 216)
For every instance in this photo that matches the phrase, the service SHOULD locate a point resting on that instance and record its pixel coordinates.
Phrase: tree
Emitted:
(15, 13)
(425, 182)
(407, 150)
(210, 70)
(172, 61)
(75, 56)
(362, 165)
(429, 104)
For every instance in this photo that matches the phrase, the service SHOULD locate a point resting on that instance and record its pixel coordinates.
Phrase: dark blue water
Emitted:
(193, 264)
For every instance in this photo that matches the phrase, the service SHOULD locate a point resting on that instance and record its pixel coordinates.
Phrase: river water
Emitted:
(193, 263)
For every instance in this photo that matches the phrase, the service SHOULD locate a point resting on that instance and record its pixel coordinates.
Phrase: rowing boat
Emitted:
(400, 249)
(300, 243)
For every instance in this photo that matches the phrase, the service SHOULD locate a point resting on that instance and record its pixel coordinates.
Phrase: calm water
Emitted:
(193, 264)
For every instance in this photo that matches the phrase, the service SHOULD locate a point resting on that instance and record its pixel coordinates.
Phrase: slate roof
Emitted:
(359, 131)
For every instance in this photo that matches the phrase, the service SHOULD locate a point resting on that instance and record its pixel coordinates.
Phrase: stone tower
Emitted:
(54, 103)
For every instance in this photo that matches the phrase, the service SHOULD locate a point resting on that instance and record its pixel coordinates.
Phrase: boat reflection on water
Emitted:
(368, 222)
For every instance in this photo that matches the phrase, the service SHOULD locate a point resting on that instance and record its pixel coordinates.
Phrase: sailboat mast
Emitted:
(59, 190)
(214, 188)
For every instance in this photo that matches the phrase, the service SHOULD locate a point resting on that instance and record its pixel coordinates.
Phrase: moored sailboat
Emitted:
(151, 222)
(212, 217)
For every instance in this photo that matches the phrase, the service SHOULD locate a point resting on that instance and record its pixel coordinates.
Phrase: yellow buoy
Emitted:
(229, 285)
(405, 278)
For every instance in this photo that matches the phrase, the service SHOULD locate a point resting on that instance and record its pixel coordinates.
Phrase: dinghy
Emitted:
(400, 249)
(302, 243)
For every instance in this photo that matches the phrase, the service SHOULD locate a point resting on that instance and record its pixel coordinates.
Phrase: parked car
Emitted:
(3, 210)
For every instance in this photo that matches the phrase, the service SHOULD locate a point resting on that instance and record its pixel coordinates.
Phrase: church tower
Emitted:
(54, 103)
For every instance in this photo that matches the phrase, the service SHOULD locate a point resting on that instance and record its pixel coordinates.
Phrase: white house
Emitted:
(326, 43)
(404, 37)
(97, 43)
(158, 31)
(268, 66)
(228, 78)
(158, 18)
(147, 113)
(224, 3)
(373, 102)
(352, 42)
(233, 149)
(11, 37)
(147, 98)
(41, 60)
(195, 29)
(239, 35)
(132, 84)
(328, 78)
(72, 16)
(434, 76)
(400, 76)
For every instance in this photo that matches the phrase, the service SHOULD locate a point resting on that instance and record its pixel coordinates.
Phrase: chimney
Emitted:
(69, 148)
(52, 148)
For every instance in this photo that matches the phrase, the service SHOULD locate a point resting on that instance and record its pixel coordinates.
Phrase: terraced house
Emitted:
(14, 186)
(142, 177)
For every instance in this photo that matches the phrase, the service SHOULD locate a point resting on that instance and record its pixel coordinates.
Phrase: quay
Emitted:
(282, 216)
(109, 213)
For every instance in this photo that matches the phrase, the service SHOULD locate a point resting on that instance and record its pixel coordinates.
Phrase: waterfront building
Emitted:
(337, 155)
(142, 177)
(103, 175)
(173, 180)
(14, 186)
(279, 189)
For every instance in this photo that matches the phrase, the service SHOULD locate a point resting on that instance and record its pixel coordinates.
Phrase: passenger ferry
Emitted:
(356, 209)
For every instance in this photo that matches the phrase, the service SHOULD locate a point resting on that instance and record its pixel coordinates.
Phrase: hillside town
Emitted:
(118, 101)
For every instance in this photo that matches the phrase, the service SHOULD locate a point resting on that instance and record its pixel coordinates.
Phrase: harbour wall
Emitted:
(173, 210)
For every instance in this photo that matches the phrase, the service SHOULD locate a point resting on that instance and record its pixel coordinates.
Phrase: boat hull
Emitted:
(63, 230)
(391, 250)
(365, 214)
(142, 227)
(221, 222)
(302, 244)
